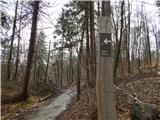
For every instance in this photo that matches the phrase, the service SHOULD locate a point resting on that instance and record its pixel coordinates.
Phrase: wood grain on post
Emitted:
(105, 86)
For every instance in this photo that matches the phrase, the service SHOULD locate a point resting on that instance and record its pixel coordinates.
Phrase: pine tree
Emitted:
(40, 56)
(31, 50)
(68, 26)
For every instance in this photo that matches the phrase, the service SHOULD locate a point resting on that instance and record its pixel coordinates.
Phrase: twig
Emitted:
(128, 94)
(146, 102)
(130, 78)
(133, 91)
(45, 98)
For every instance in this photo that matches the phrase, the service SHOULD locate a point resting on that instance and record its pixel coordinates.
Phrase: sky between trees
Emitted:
(47, 24)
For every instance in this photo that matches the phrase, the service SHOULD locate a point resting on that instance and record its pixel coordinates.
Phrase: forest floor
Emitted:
(12, 111)
(54, 107)
(144, 86)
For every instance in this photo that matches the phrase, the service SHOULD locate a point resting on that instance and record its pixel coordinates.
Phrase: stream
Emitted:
(54, 108)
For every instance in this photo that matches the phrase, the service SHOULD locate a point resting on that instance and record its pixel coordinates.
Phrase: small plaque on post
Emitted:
(105, 45)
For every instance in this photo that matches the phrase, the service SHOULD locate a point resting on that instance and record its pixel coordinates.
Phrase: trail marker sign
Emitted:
(105, 45)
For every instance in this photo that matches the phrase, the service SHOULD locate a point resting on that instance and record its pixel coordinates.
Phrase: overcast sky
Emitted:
(151, 9)
(54, 12)
(57, 6)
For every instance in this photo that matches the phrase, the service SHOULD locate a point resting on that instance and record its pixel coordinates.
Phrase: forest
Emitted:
(80, 60)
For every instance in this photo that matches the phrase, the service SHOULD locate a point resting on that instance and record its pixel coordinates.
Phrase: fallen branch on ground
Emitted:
(133, 91)
(132, 76)
(45, 98)
(136, 98)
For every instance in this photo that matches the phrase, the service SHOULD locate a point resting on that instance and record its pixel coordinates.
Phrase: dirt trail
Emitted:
(52, 110)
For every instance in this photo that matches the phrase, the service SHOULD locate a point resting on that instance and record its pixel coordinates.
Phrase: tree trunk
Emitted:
(70, 77)
(11, 46)
(36, 70)
(118, 47)
(139, 55)
(79, 64)
(157, 47)
(121, 64)
(98, 7)
(87, 46)
(79, 75)
(45, 79)
(17, 58)
(31, 49)
(148, 47)
(56, 71)
(157, 51)
(61, 65)
(92, 45)
(35, 67)
(128, 42)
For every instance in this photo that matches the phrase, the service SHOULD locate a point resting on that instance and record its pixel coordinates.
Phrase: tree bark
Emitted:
(61, 65)
(87, 45)
(17, 58)
(70, 74)
(11, 46)
(31, 49)
(79, 64)
(148, 47)
(157, 51)
(157, 46)
(92, 45)
(118, 47)
(98, 7)
(35, 65)
(45, 79)
(128, 42)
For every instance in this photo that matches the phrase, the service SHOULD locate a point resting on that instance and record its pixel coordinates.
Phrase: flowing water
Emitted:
(54, 109)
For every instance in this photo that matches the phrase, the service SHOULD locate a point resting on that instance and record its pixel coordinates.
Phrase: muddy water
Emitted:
(55, 108)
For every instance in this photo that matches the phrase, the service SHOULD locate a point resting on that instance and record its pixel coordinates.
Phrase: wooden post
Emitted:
(105, 86)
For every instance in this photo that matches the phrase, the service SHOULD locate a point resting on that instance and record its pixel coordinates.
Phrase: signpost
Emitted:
(105, 86)
(105, 45)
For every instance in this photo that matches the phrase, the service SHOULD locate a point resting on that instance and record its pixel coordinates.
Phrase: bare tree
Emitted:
(92, 44)
(18, 47)
(87, 43)
(118, 47)
(157, 45)
(45, 79)
(11, 46)
(79, 65)
(128, 39)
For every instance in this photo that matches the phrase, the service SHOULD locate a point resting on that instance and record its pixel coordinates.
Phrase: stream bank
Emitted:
(53, 109)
